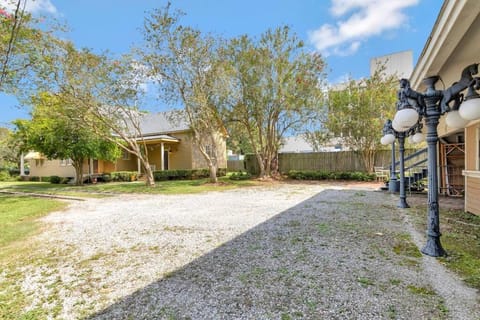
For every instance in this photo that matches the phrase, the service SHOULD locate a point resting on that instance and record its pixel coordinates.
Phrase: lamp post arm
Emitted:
(406, 95)
(453, 91)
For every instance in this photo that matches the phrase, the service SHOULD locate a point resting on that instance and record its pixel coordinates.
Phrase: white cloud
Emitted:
(32, 6)
(358, 21)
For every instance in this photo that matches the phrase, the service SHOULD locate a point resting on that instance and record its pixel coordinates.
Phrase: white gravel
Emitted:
(306, 251)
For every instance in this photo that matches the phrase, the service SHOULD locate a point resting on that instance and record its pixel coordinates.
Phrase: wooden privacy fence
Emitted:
(341, 161)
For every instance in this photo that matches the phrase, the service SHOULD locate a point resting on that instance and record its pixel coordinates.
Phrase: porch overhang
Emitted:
(32, 155)
(159, 138)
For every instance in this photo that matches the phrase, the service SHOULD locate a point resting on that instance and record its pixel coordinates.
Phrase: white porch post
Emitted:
(22, 165)
(139, 167)
(162, 161)
(90, 166)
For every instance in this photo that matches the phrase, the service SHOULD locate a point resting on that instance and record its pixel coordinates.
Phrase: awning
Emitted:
(32, 155)
(159, 137)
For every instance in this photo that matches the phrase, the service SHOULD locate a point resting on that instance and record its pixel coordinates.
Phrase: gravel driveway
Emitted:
(287, 251)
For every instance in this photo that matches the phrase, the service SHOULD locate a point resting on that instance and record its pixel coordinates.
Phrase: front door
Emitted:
(165, 160)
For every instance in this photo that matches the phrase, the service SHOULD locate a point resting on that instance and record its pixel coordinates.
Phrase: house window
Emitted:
(66, 162)
(209, 151)
(125, 155)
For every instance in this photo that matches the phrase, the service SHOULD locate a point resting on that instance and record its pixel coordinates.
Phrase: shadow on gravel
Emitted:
(338, 255)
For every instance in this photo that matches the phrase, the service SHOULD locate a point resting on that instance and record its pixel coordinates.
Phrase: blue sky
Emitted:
(347, 32)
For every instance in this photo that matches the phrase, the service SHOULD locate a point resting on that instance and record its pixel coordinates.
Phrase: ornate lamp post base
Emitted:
(433, 247)
(403, 203)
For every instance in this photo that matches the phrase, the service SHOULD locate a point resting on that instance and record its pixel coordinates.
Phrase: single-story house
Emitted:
(451, 46)
(169, 144)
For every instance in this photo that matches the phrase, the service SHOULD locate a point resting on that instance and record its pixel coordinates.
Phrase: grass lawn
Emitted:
(18, 216)
(92, 190)
(460, 238)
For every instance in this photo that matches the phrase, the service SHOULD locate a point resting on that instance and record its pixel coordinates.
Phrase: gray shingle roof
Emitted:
(163, 123)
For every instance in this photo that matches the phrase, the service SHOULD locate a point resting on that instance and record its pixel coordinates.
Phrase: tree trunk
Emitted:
(213, 173)
(261, 165)
(150, 181)
(369, 160)
(78, 165)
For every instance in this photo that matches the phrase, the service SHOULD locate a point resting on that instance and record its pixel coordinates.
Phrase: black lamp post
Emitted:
(389, 137)
(431, 105)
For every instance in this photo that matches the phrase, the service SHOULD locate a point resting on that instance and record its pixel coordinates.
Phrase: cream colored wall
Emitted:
(198, 161)
(127, 165)
(180, 156)
(47, 168)
(472, 197)
(472, 166)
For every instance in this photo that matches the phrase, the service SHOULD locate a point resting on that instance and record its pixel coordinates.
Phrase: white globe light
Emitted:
(389, 138)
(418, 137)
(382, 140)
(410, 139)
(397, 127)
(454, 120)
(470, 109)
(406, 118)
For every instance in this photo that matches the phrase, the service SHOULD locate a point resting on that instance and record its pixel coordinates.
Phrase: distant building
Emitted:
(399, 63)
(298, 144)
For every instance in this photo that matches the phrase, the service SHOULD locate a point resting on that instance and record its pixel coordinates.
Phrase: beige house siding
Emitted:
(47, 168)
(472, 169)
(472, 198)
(199, 161)
(180, 156)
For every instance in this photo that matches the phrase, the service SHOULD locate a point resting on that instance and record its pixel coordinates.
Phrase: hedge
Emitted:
(186, 174)
(324, 175)
(122, 176)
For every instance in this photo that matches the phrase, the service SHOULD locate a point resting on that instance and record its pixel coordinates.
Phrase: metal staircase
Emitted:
(416, 172)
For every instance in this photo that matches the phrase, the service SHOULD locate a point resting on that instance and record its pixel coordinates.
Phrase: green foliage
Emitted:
(4, 175)
(125, 176)
(55, 179)
(358, 111)
(55, 132)
(241, 175)
(189, 67)
(276, 89)
(106, 177)
(324, 175)
(186, 174)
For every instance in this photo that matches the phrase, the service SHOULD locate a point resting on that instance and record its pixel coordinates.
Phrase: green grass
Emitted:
(18, 216)
(460, 238)
(161, 187)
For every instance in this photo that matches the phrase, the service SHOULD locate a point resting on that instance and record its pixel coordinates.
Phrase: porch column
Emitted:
(162, 161)
(139, 167)
(90, 166)
(22, 165)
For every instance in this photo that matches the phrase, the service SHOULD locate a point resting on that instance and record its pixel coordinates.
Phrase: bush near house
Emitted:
(186, 174)
(123, 176)
(324, 175)
(4, 175)
(241, 175)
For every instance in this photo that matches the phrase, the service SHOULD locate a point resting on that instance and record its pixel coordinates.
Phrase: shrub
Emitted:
(4, 175)
(55, 179)
(240, 176)
(323, 175)
(185, 174)
(125, 176)
(106, 177)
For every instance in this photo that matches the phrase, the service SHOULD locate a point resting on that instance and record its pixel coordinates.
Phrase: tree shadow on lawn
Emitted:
(332, 256)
